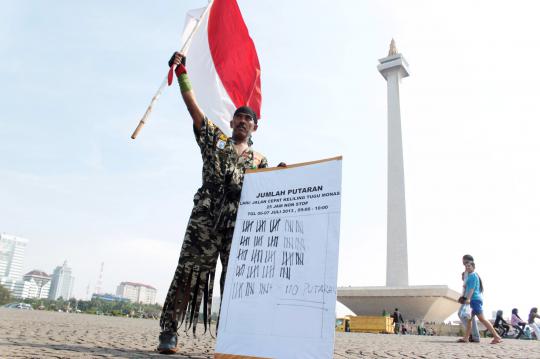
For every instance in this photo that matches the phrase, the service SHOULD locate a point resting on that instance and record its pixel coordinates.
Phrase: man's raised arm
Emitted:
(188, 95)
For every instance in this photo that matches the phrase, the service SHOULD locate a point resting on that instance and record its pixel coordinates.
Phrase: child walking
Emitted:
(473, 294)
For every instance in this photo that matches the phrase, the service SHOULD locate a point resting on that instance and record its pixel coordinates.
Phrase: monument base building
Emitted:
(432, 303)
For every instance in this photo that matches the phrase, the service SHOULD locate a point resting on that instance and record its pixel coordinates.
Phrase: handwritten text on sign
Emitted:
(280, 289)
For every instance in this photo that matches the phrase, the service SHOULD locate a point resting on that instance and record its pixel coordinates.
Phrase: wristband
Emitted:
(185, 84)
(180, 69)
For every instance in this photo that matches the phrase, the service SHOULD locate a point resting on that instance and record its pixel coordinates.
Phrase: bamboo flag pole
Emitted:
(165, 81)
(149, 109)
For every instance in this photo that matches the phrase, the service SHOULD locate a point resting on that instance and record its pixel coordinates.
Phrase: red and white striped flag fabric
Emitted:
(222, 62)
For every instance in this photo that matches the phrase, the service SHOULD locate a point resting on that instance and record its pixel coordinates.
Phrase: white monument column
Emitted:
(393, 68)
(437, 301)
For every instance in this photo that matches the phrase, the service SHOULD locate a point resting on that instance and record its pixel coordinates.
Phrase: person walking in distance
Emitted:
(473, 294)
(398, 321)
(475, 333)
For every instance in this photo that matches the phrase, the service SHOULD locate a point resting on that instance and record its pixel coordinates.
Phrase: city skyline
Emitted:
(44, 280)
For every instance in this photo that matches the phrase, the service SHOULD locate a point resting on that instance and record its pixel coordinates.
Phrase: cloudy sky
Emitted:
(77, 76)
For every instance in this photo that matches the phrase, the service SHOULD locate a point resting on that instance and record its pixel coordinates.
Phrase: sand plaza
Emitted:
(41, 334)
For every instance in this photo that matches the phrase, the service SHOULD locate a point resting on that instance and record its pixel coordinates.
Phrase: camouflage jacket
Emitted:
(222, 174)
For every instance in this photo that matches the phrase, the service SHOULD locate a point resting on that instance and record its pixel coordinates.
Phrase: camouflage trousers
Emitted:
(193, 279)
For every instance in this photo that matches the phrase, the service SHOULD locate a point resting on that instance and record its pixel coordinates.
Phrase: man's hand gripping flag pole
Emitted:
(167, 81)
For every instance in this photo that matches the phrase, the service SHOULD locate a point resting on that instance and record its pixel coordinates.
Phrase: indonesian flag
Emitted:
(222, 62)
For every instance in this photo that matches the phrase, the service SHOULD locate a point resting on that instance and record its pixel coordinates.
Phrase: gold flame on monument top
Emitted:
(392, 51)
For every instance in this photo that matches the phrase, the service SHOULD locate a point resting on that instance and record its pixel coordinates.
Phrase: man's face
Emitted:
(243, 125)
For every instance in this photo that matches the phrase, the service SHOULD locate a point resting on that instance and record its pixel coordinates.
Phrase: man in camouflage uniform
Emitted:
(211, 225)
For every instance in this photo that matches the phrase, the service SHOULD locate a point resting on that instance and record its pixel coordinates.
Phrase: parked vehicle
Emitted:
(365, 324)
(25, 306)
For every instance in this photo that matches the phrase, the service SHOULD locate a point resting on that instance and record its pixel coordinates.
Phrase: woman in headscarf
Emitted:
(533, 314)
(517, 323)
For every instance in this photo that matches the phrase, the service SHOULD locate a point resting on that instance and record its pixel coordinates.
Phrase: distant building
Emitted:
(137, 292)
(62, 282)
(109, 297)
(12, 250)
(35, 284)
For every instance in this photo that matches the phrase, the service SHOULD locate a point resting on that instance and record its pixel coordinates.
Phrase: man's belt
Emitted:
(223, 194)
(213, 186)
(222, 190)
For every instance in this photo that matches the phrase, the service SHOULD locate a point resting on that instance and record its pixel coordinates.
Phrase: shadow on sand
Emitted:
(101, 351)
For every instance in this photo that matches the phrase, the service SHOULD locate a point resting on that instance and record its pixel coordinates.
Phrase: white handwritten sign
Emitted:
(280, 292)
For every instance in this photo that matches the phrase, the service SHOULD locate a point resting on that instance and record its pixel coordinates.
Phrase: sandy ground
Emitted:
(37, 334)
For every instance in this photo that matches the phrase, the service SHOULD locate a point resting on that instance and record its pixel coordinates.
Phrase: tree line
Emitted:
(93, 306)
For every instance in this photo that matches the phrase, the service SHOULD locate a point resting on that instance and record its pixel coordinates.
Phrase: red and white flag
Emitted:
(222, 62)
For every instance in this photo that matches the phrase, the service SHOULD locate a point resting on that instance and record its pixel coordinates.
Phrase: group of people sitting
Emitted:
(517, 323)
